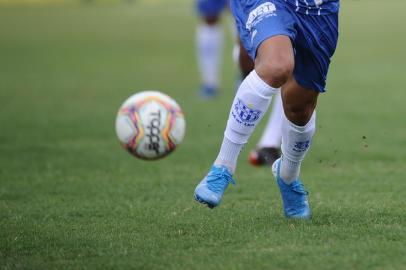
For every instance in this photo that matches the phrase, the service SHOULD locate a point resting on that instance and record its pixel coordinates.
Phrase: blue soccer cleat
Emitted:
(211, 189)
(207, 92)
(294, 196)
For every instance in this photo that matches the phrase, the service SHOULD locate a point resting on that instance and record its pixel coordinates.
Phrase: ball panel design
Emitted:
(177, 132)
(125, 129)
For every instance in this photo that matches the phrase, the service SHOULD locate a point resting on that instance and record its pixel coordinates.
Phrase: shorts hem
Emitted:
(268, 36)
(309, 85)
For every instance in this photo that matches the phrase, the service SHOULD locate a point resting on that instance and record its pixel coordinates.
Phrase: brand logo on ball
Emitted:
(154, 132)
(244, 114)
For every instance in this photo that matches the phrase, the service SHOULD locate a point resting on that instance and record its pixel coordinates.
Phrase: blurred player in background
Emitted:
(209, 43)
(291, 43)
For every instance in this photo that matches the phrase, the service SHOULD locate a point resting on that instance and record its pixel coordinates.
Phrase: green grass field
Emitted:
(71, 198)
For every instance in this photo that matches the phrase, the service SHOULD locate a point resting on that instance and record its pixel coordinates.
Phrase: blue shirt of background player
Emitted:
(210, 8)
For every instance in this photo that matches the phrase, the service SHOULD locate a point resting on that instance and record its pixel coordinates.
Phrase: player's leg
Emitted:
(268, 148)
(298, 127)
(244, 60)
(299, 97)
(250, 103)
(297, 130)
(273, 71)
(209, 44)
(272, 136)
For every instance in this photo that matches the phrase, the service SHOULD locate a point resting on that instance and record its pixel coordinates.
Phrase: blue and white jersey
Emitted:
(315, 7)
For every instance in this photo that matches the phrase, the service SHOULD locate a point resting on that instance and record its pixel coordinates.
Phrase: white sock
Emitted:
(228, 154)
(250, 103)
(272, 135)
(296, 141)
(209, 39)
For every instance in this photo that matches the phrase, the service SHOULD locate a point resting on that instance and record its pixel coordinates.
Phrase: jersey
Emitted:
(315, 7)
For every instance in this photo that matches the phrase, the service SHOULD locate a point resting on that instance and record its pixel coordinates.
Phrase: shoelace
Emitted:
(218, 180)
(299, 188)
(292, 201)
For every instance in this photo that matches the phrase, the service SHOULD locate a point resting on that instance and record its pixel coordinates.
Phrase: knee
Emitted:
(275, 72)
(299, 113)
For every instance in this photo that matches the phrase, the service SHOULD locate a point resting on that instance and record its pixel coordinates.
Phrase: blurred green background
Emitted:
(70, 197)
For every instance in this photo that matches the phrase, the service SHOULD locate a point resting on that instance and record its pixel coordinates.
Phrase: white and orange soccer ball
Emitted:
(150, 125)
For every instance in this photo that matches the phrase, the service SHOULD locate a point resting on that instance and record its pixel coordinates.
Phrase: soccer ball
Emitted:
(150, 125)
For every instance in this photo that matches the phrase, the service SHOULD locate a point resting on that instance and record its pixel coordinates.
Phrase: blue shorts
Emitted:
(314, 37)
(210, 8)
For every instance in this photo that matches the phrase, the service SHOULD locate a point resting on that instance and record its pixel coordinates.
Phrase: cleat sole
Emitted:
(198, 199)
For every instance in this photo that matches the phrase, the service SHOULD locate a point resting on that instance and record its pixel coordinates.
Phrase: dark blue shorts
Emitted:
(314, 37)
(209, 8)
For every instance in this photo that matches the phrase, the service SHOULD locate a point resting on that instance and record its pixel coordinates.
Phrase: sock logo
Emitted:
(301, 146)
(245, 115)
